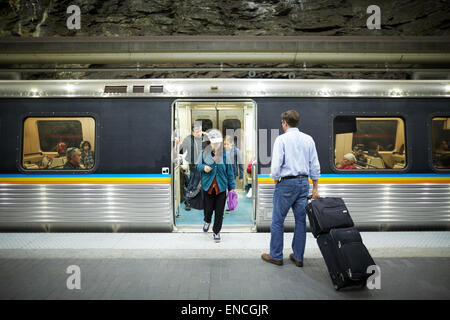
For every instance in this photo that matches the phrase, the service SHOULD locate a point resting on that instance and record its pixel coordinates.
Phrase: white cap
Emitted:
(350, 157)
(215, 136)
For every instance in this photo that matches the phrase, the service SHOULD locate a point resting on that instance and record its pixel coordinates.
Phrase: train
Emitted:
(135, 180)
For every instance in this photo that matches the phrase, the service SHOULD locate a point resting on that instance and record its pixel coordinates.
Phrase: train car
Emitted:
(104, 155)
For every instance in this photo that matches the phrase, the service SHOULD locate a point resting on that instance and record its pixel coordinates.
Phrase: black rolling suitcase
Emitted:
(325, 214)
(346, 257)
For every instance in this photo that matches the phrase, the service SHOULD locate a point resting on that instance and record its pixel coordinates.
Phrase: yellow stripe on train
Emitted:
(381, 180)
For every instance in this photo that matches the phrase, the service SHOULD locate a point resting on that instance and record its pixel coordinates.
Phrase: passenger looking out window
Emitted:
(348, 162)
(87, 155)
(440, 136)
(73, 159)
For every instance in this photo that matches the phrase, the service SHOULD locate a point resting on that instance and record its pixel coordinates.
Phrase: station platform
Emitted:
(187, 265)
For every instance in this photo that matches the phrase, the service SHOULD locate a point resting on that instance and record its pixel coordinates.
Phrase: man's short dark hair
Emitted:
(291, 117)
(71, 152)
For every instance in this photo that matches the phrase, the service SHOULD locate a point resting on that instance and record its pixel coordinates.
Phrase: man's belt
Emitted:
(293, 177)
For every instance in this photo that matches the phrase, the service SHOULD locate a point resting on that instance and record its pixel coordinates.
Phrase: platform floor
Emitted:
(414, 265)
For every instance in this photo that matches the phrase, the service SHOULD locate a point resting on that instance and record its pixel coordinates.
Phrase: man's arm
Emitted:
(315, 191)
(314, 169)
(277, 160)
(184, 145)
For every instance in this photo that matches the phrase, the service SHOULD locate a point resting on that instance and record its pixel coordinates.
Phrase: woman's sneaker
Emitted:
(206, 227)
(217, 237)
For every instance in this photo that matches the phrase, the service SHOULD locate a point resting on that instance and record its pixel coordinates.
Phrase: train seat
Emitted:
(30, 166)
(57, 163)
(375, 162)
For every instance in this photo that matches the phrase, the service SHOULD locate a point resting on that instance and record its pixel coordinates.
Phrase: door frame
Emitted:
(254, 165)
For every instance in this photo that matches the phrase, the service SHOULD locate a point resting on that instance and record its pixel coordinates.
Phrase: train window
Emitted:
(373, 143)
(49, 142)
(51, 132)
(440, 137)
(231, 124)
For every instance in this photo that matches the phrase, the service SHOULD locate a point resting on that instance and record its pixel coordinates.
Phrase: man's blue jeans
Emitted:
(289, 193)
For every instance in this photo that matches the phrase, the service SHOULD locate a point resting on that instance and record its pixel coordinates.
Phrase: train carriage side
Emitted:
(126, 189)
(402, 182)
(405, 189)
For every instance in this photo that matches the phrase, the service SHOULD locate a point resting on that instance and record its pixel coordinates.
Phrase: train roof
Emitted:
(224, 88)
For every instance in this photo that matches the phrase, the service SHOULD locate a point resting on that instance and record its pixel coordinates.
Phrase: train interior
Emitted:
(440, 142)
(236, 120)
(47, 139)
(369, 143)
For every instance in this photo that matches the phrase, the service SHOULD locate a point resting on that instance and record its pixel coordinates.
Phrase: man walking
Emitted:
(193, 145)
(294, 158)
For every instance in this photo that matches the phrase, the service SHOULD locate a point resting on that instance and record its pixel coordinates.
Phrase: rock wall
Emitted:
(38, 18)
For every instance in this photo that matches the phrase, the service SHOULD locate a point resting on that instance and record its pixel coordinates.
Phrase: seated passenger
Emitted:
(249, 179)
(348, 162)
(374, 147)
(73, 159)
(442, 147)
(87, 155)
(358, 151)
(61, 148)
(445, 162)
(58, 161)
(236, 159)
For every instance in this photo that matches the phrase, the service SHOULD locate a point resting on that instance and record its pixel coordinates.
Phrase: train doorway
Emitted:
(236, 120)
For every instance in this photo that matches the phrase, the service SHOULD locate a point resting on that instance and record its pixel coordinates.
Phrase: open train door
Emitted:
(235, 119)
(254, 161)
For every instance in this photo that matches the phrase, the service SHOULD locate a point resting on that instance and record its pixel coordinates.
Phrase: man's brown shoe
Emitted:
(297, 263)
(267, 258)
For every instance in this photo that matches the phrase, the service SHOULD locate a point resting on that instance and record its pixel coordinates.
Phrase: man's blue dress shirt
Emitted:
(294, 153)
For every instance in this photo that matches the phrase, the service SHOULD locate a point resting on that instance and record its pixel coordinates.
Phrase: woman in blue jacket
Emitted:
(217, 176)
